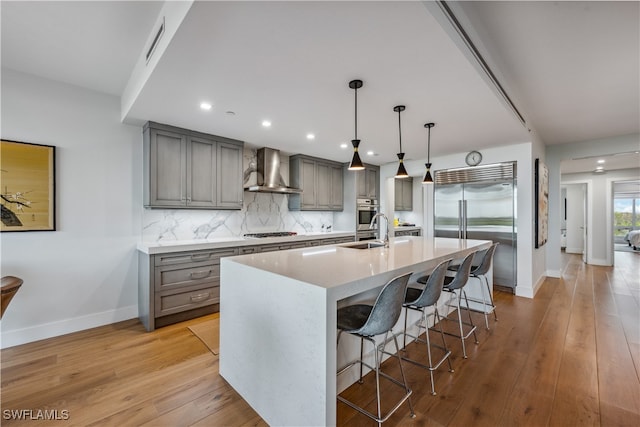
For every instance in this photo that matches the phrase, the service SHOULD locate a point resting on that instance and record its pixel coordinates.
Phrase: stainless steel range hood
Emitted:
(269, 177)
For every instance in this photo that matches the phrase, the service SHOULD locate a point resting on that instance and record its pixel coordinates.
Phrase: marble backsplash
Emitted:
(262, 212)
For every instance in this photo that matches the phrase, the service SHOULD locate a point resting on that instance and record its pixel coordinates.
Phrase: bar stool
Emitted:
(455, 285)
(420, 300)
(367, 321)
(480, 273)
(10, 286)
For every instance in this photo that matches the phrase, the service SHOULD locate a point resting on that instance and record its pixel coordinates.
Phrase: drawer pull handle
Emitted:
(200, 274)
(200, 257)
(200, 297)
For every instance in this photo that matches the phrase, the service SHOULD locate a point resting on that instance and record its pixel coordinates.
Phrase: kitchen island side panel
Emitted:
(262, 311)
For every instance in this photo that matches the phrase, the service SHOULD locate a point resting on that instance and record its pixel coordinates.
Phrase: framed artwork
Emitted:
(27, 186)
(542, 203)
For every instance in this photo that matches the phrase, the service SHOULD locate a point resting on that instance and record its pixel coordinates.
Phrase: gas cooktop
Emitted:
(271, 234)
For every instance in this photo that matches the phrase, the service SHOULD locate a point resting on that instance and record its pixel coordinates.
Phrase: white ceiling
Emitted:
(572, 69)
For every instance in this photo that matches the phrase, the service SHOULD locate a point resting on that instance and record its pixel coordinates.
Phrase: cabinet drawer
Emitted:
(172, 277)
(170, 303)
(194, 256)
(249, 250)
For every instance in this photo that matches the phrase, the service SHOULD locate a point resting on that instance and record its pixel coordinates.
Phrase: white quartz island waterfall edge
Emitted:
(278, 319)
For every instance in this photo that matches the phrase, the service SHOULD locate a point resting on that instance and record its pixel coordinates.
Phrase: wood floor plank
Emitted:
(568, 357)
(576, 396)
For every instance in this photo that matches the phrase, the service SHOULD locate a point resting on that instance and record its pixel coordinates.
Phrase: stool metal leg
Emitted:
(464, 350)
(436, 316)
(484, 302)
(458, 294)
(361, 357)
(495, 315)
(473, 329)
(424, 324)
(379, 350)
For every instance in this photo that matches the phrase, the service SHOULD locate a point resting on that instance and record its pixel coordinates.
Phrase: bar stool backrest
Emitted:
(483, 268)
(433, 288)
(386, 310)
(462, 275)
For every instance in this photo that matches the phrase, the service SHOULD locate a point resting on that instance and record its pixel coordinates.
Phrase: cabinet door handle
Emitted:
(199, 297)
(200, 274)
(200, 257)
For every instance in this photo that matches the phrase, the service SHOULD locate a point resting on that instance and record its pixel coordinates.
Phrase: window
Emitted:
(626, 216)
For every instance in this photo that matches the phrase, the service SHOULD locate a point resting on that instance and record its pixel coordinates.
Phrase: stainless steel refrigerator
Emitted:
(480, 203)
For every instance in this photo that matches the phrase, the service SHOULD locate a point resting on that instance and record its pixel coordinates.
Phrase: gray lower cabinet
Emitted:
(321, 182)
(404, 194)
(178, 286)
(187, 169)
(367, 186)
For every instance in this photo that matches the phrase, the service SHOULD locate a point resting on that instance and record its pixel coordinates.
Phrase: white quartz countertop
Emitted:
(335, 265)
(229, 242)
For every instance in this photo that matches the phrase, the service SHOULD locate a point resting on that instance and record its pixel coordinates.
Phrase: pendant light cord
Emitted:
(399, 130)
(429, 146)
(356, 114)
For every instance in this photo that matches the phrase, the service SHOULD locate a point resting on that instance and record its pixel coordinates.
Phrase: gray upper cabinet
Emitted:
(321, 182)
(187, 169)
(367, 182)
(229, 176)
(404, 194)
(201, 173)
(337, 183)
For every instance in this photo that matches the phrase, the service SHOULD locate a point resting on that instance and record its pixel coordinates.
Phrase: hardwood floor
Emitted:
(569, 357)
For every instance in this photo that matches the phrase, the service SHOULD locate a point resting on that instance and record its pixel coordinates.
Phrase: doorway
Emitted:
(626, 214)
(576, 219)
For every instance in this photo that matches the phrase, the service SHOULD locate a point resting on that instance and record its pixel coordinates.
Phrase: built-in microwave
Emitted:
(366, 209)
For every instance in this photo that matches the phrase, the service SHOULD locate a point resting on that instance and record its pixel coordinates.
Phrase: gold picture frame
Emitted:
(27, 186)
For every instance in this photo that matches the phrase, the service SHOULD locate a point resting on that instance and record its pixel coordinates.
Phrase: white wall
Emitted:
(554, 155)
(531, 269)
(600, 211)
(85, 273)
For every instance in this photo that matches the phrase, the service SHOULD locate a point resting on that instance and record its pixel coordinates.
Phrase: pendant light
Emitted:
(402, 172)
(428, 179)
(356, 163)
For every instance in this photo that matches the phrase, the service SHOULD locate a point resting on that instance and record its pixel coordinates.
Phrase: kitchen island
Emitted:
(278, 319)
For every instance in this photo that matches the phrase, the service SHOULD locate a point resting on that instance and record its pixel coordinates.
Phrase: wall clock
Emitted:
(473, 158)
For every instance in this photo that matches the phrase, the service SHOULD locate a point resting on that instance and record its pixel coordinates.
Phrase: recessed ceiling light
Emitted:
(344, 145)
(599, 167)
(266, 123)
(370, 153)
(311, 136)
(601, 161)
(205, 106)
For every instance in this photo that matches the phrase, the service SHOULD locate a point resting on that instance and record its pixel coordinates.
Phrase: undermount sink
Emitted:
(365, 245)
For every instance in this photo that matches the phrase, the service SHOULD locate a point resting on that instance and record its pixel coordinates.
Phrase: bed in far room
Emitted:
(633, 239)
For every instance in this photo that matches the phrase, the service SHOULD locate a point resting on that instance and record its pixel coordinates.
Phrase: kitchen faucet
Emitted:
(386, 235)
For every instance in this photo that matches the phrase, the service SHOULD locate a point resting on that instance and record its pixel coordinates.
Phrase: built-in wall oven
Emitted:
(366, 209)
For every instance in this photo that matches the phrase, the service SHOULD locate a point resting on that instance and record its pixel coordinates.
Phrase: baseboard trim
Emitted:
(554, 273)
(530, 292)
(67, 326)
(603, 262)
